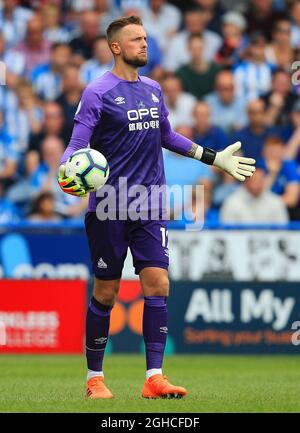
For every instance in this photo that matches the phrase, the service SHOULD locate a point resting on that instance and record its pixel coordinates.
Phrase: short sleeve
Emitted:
(291, 171)
(89, 108)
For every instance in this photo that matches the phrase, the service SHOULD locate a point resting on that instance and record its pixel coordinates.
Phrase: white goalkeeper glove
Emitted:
(238, 166)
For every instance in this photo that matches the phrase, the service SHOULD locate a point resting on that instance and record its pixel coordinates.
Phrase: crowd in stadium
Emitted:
(228, 70)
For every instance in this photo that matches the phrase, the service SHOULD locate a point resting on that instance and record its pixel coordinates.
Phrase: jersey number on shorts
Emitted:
(164, 236)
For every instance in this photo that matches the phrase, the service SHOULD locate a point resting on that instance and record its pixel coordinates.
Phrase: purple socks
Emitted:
(97, 326)
(155, 330)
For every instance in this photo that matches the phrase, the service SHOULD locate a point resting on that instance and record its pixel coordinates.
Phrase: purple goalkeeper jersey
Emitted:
(127, 122)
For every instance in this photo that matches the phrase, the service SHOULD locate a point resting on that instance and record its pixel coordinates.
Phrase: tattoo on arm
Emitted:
(191, 153)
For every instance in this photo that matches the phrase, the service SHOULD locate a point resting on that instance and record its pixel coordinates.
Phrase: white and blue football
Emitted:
(89, 168)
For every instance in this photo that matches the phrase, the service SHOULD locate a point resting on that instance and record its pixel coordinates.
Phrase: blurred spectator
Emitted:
(255, 134)
(45, 178)
(294, 12)
(43, 209)
(136, 4)
(14, 61)
(261, 17)
(177, 53)
(107, 11)
(52, 147)
(291, 135)
(8, 211)
(9, 99)
(237, 5)
(253, 76)
(224, 186)
(82, 46)
(70, 97)
(13, 21)
(35, 48)
(283, 178)
(11, 79)
(161, 20)
(253, 203)
(280, 99)
(211, 215)
(205, 133)
(198, 76)
(53, 31)
(197, 209)
(234, 41)
(183, 6)
(99, 64)
(27, 118)
(23, 190)
(229, 112)
(47, 78)
(280, 52)
(79, 5)
(53, 124)
(180, 104)
(214, 10)
(184, 171)
(9, 155)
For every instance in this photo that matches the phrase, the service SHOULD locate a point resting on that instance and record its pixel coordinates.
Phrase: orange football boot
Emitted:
(96, 388)
(157, 386)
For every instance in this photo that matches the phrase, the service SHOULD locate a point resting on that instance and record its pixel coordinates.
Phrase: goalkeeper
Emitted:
(123, 115)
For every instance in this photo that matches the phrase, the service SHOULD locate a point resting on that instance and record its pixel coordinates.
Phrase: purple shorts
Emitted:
(109, 241)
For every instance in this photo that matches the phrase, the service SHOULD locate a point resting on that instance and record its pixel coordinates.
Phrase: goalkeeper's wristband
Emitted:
(208, 156)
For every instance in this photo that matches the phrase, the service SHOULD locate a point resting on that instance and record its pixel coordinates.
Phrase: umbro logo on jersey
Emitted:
(120, 100)
(154, 98)
(102, 264)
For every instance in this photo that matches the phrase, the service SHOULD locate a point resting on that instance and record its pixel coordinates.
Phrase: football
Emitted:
(89, 168)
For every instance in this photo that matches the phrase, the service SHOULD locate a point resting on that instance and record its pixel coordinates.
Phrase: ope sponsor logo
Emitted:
(136, 119)
(142, 112)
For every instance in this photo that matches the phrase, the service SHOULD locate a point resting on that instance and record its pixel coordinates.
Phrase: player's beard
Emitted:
(136, 62)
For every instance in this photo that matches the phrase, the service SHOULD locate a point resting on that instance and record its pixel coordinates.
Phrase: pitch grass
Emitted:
(215, 384)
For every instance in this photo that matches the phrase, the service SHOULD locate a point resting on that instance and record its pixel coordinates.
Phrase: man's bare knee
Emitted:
(106, 292)
(155, 282)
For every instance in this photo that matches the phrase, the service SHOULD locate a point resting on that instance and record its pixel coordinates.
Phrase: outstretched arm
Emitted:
(238, 166)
